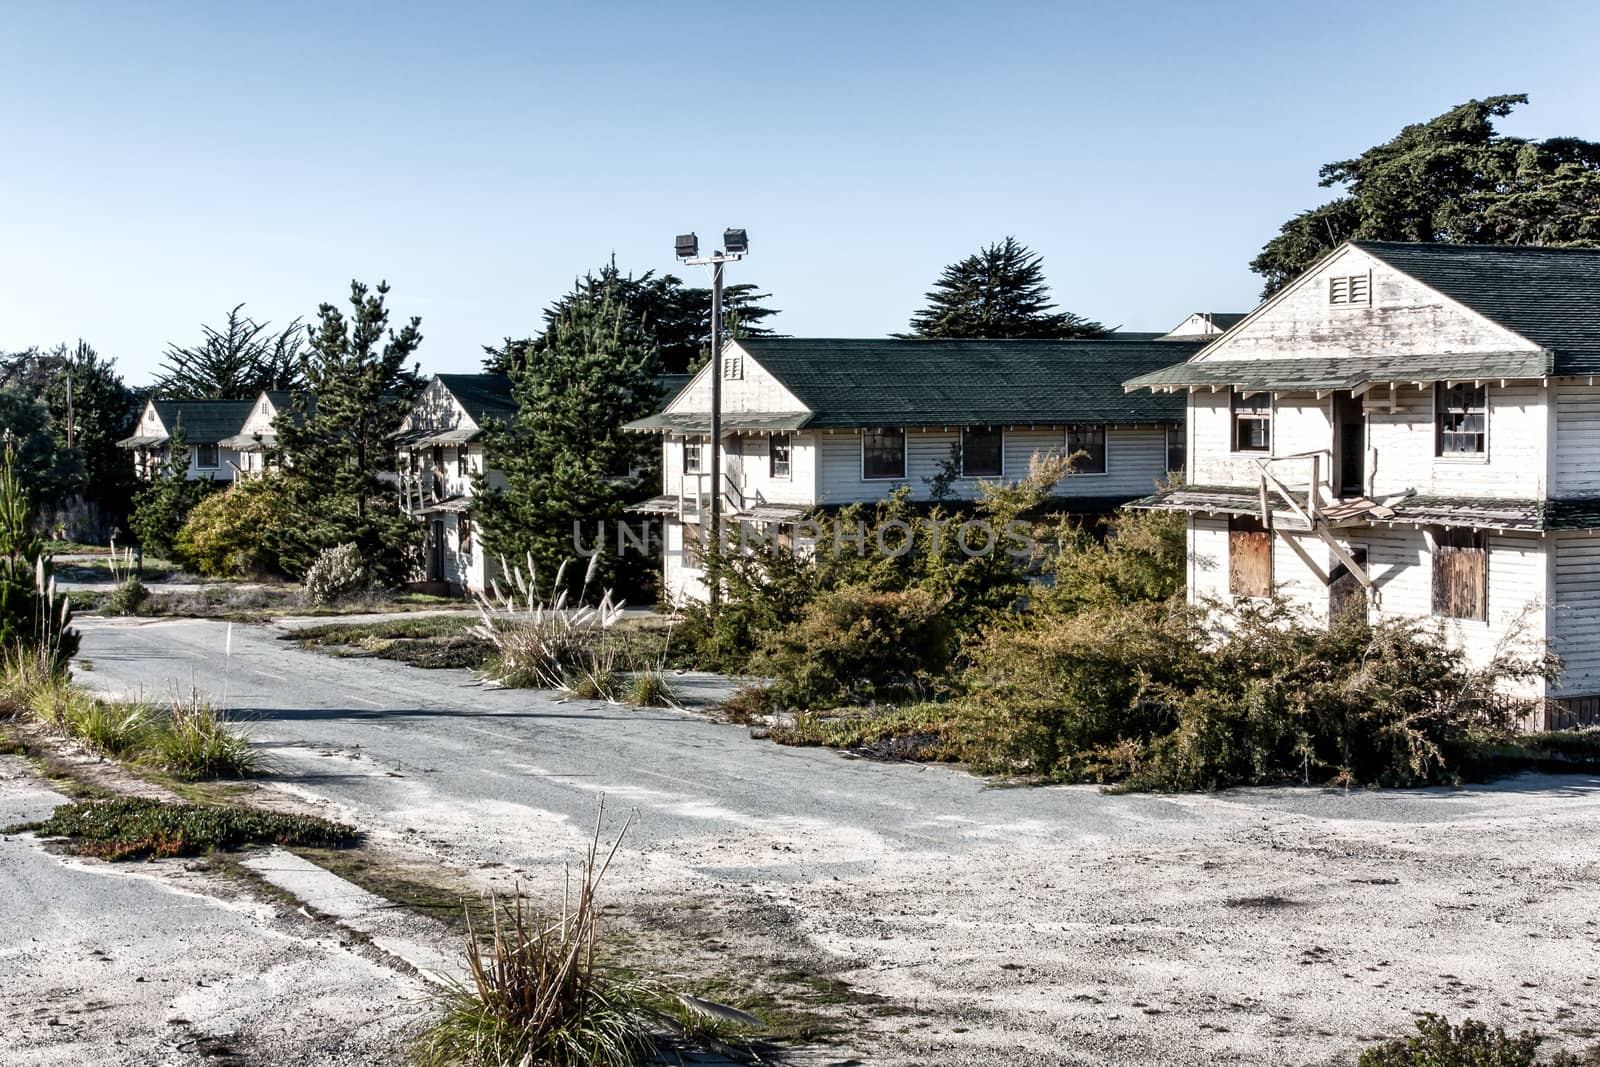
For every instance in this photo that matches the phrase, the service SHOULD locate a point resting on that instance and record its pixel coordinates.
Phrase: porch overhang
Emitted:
(1484, 513)
(699, 422)
(1355, 374)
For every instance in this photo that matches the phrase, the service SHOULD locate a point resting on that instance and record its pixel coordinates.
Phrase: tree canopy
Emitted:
(996, 293)
(335, 440)
(675, 317)
(103, 410)
(1452, 179)
(566, 459)
(233, 363)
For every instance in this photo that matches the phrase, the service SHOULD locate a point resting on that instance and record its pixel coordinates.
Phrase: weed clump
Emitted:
(1471, 1044)
(137, 828)
(197, 741)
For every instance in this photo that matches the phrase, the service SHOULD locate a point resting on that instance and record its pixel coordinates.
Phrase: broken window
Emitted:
(1091, 442)
(1461, 573)
(1177, 450)
(1249, 557)
(778, 455)
(693, 460)
(1462, 419)
(1252, 422)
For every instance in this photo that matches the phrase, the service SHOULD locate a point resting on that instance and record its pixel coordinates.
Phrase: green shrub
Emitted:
(196, 741)
(1140, 695)
(114, 730)
(1472, 1044)
(232, 533)
(649, 688)
(127, 598)
(856, 645)
(135, 828)
(161, 507)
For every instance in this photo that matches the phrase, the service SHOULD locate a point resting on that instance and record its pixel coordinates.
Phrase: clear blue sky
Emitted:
(161, 162)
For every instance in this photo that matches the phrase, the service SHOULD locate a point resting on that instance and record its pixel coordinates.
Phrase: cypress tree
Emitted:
(997, 293)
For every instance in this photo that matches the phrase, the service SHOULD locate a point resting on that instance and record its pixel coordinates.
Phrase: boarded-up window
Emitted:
(1461, 574)
(1249, 557)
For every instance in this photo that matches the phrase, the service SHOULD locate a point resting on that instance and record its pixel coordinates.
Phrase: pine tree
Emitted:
(997, 293)
(162, 507)
(565, 457)
(1452, 179)
(233, 363)
(675, 317)
(336, 439)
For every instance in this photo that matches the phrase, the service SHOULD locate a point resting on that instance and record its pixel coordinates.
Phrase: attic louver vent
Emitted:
(732, 368)
(1350, 289)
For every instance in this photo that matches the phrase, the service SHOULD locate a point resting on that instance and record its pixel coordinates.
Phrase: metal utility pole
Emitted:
(735, 245)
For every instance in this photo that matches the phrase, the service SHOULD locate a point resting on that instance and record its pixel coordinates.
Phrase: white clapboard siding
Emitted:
(1208, 558)
(1575, 614)
(1577, 459)
(1400, 561)
(1404, 317)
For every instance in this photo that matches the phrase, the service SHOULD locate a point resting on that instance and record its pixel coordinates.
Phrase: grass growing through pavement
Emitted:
(431, 641)
(137, 828)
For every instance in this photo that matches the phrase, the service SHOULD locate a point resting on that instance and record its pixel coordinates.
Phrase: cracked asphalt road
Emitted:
(1038, 925)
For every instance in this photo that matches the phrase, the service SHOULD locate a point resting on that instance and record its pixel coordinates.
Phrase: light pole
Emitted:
(735, 243)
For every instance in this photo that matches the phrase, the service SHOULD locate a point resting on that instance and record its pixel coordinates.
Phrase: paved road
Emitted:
(158, 963)
(1059, 924)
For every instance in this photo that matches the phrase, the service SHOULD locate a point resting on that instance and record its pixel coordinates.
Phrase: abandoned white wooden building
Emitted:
(821, 423)
(1420, 421)
(440, 450)
(256, 441)
(206, 426)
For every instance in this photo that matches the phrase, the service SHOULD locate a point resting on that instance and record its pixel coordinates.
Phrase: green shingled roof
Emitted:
(1551, 296)
(484, 396)
(854, 383)
(204, 422)
(1318, 373)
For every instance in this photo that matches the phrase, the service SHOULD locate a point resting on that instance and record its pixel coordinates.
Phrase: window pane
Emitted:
(691, 457)
(778, 445)
(883, 453)
(1177, 452)
(1463, 419)
(1252, 422)
(1090, 440)
(981, 451)
(205, 455)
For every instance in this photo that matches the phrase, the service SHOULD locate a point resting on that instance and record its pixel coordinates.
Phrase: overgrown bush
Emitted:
(233, 533)
(337, 572)
(1141, 696)
(197, 741)
(554, 644)
(162, 506)
(34, 618)
(1471, 1044)
(855, 645)
(127, 598)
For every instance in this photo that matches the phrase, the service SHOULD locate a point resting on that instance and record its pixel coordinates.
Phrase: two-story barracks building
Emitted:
(1419, 422)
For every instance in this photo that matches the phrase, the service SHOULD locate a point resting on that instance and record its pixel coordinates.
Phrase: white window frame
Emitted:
(1105, 433)
(1462, 458)
(961, 444)
(699, 452)
(788, 459)
(905, 458)
(1272, 425)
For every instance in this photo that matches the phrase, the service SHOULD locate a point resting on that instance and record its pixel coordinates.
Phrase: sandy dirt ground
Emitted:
(1002, 925)
(169, 963)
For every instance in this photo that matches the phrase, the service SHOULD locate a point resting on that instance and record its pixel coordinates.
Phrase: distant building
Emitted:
(257, 440)
(206, 425)
(1206, 324)
(818, 423)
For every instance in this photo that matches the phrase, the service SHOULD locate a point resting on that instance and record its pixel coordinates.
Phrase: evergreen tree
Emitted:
(47, 470)
(336, 441)
(997, 293)
(565, 457)
(676, 318)
(102, 410)
(162, 507)
(32, 616)
(1452, 179)
(233, 363)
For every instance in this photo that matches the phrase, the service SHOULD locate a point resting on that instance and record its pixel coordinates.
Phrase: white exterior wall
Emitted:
(1575, 611)
(1208, 559)
(1575, 466)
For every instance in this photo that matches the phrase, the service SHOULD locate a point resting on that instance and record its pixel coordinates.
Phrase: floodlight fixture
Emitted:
(688, 246)
(735, 242)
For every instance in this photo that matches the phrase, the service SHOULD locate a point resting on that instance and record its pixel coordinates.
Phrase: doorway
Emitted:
(436, 552)
(1349, 446)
